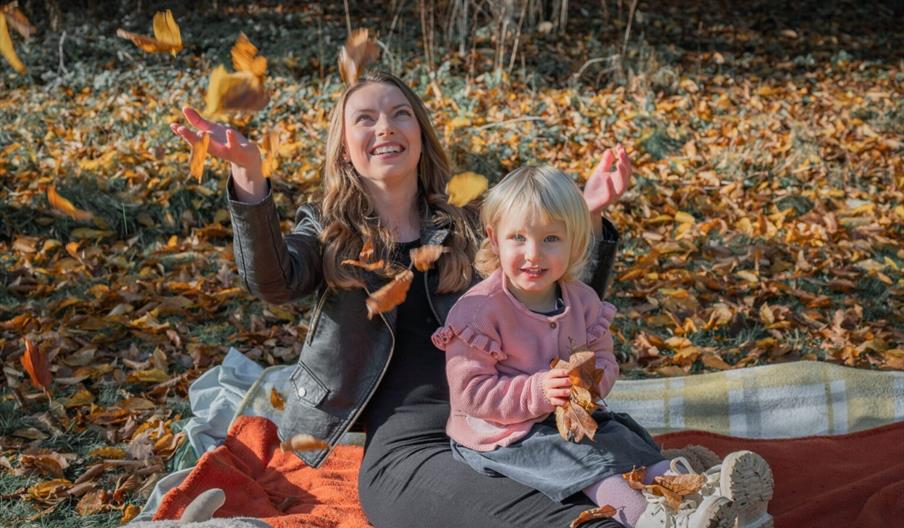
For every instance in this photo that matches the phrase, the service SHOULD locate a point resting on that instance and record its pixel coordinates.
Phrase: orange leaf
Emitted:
(271, 148)
(167, 37)
(65, 206)
(367, 250)
(303, 442)
(603, 512)
(6, 48)
(423, 257)
(356, 55)
(276, 400)
(246, 59)
(18, 20)
(635, 477)
(128, 513)
(35, 363)
(369, 266)
(198, 155)
(391, 295)
(464, 187)
(231, 92)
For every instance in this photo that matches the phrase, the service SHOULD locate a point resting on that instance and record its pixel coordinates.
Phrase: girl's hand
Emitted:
(556, 386)
(606, 185)
(225, 143)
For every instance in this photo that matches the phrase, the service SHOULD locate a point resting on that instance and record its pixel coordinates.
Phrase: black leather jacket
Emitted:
(345, 354)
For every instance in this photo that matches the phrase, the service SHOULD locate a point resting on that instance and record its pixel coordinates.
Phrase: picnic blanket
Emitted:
(826, 481)
(786, 400)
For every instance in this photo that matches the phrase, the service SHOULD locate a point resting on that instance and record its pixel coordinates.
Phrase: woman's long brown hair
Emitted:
(349, 217)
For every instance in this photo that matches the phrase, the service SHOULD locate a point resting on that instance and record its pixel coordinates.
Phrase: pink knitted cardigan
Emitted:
(497, 350)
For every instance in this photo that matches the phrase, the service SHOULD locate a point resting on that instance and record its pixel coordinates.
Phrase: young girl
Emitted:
(500, 338)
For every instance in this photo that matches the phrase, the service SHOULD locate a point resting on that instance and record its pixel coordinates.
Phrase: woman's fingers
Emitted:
(187, 134)
(196, 120)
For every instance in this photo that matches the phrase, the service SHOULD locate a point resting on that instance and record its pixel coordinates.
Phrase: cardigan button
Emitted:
(552, 324)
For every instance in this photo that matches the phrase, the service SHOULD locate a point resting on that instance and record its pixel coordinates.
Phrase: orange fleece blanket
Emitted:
(825, 481)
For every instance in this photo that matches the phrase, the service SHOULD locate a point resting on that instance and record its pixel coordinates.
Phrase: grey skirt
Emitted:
(558, 468)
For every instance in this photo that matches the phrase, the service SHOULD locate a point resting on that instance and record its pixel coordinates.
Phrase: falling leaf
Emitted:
(391, 295)
(66, 207)
(232, 92)
(357, 54)
(276, 399)
(424, 256)
(7, 50)
(464, 187)
(35, 363)
(167, 37)
(270, 147)
(18, 20)
(246, 59)
(369, 266)
(367, 250)
(602, 512)
(198, 155)
(303, 442)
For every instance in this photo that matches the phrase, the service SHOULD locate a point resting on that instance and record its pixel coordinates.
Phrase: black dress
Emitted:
(408, 477)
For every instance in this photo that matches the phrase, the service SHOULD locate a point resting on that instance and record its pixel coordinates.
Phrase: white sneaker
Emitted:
(694, 512)
(746, 478)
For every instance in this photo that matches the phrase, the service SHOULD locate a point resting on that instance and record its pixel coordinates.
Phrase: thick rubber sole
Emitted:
(746, 479)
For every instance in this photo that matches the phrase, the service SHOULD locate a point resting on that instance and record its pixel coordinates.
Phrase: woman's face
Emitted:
(382, 135)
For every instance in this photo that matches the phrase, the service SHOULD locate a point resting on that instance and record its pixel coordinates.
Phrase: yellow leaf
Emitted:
(109, 453)
(748, 276)
(48, 488)
(464, 187)
(713, 361)
(271, 148)
(356, 55)
(744, 226)
(684, 218)
(148, 376)
(128, 513)
(766, 314)
(198, 154)
(80, 398)
(239, 91)
(246, 59)
(65, 206)
(459, 122)
(277, 400)
(6, 48)
(82, 233)
(167, 37)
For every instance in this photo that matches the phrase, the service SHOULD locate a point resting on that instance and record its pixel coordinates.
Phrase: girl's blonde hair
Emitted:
(348, 216)
(531, 190)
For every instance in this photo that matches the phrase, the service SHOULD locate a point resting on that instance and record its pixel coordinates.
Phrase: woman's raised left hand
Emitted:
(606, 185)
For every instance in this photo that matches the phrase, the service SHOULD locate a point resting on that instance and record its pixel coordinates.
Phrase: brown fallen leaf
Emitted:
(303, 442)
(423, 257)
(234, 92)
(356, 55)
(35, 364)
(167, 37)
(635, 477)
(66, 207)
(391, 295)
(369, 266)
(464, 187)
(92, 502)
(602, 512)
(17, 19)
(7, 50)
(276, 399)
(198, 155)
(574, 420)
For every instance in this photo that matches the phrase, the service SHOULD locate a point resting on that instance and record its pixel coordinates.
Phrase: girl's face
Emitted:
(382, 135)
(534, 253)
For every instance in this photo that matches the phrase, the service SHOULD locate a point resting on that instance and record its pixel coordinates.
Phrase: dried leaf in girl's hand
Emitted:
(198, 155)
(303, 442)
(6, 48)
(635, 477)
(232, 92)
(574, 420)
(17, 20)
(391, 295)
(64, 206)
(423, 257)
(246, 59)
(35, 364)
(276, 399)
(464, 187)
(602, 512)
(167, 37)
(357, 54)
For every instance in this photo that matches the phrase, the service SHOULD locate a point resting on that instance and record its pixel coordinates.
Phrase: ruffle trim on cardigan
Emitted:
(600, 327)
(474, 339)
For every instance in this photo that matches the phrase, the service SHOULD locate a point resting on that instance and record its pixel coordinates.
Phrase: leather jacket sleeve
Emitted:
(602, 259)
(272, 267)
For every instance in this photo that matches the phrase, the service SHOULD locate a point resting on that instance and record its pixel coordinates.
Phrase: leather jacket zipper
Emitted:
(315, 319)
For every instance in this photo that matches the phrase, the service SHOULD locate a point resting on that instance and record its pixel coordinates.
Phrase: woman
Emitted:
(384, 179)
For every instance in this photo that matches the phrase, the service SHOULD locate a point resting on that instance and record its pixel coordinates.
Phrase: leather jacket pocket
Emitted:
(306, 385)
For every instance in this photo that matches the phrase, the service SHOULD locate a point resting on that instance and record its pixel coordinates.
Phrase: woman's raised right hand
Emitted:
(227, 144)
